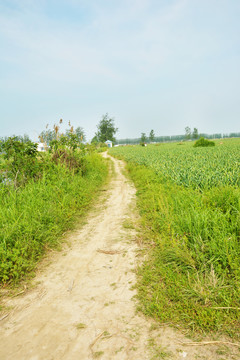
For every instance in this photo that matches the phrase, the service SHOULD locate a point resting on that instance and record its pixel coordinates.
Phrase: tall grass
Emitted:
(194, 265)
(34, 216)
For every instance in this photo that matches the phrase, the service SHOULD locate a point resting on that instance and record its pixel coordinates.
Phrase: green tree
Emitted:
(106, 129)
(151, 136)
(24, 139)
(143, 138)
(187, 133)
(80, 134)
(47, 136)
(195, 133)
(94, 140)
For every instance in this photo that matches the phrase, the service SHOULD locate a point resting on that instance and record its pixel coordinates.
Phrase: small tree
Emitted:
(151, 136)
(143, 138)
(106, 129)
(187, 133)
(195, 133)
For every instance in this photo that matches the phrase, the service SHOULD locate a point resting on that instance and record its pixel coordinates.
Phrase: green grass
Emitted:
(193, 239)
(33, 217)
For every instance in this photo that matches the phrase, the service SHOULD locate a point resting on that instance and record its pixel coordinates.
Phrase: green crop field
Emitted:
(189, 200)
(189, 166)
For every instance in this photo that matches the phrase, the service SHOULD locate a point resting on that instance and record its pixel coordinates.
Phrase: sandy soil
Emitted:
(81, 306)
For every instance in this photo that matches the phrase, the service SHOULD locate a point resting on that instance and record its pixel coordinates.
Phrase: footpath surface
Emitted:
(81, 305)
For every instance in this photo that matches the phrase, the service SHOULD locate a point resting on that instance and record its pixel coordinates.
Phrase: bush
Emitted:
(75, 161)
(22, 161)
(203, 142)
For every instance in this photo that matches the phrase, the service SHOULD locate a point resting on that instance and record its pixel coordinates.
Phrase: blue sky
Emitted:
(151, 64)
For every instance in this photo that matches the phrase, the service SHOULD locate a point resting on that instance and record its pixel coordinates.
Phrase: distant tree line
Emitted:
(48, 135)
(24, 139)
(161, 139)
(106, 130)
(144, 139)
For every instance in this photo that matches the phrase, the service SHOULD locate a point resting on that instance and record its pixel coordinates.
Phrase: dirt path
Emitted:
(81, 306)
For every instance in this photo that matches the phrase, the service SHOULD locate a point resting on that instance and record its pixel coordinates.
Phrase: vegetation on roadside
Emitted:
(49, 135)
(40, 196)
(191, 228)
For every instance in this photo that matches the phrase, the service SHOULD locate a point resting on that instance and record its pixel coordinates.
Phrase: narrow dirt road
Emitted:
(80, 307)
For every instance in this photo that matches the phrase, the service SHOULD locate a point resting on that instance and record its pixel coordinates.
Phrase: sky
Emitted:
(149, 64)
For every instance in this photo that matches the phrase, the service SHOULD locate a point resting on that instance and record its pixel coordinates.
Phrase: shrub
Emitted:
(75, 161)
(203, 142)
(21, 161)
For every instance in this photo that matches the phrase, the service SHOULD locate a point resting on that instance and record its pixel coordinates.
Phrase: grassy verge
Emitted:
(33, 217)
(191, 275)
